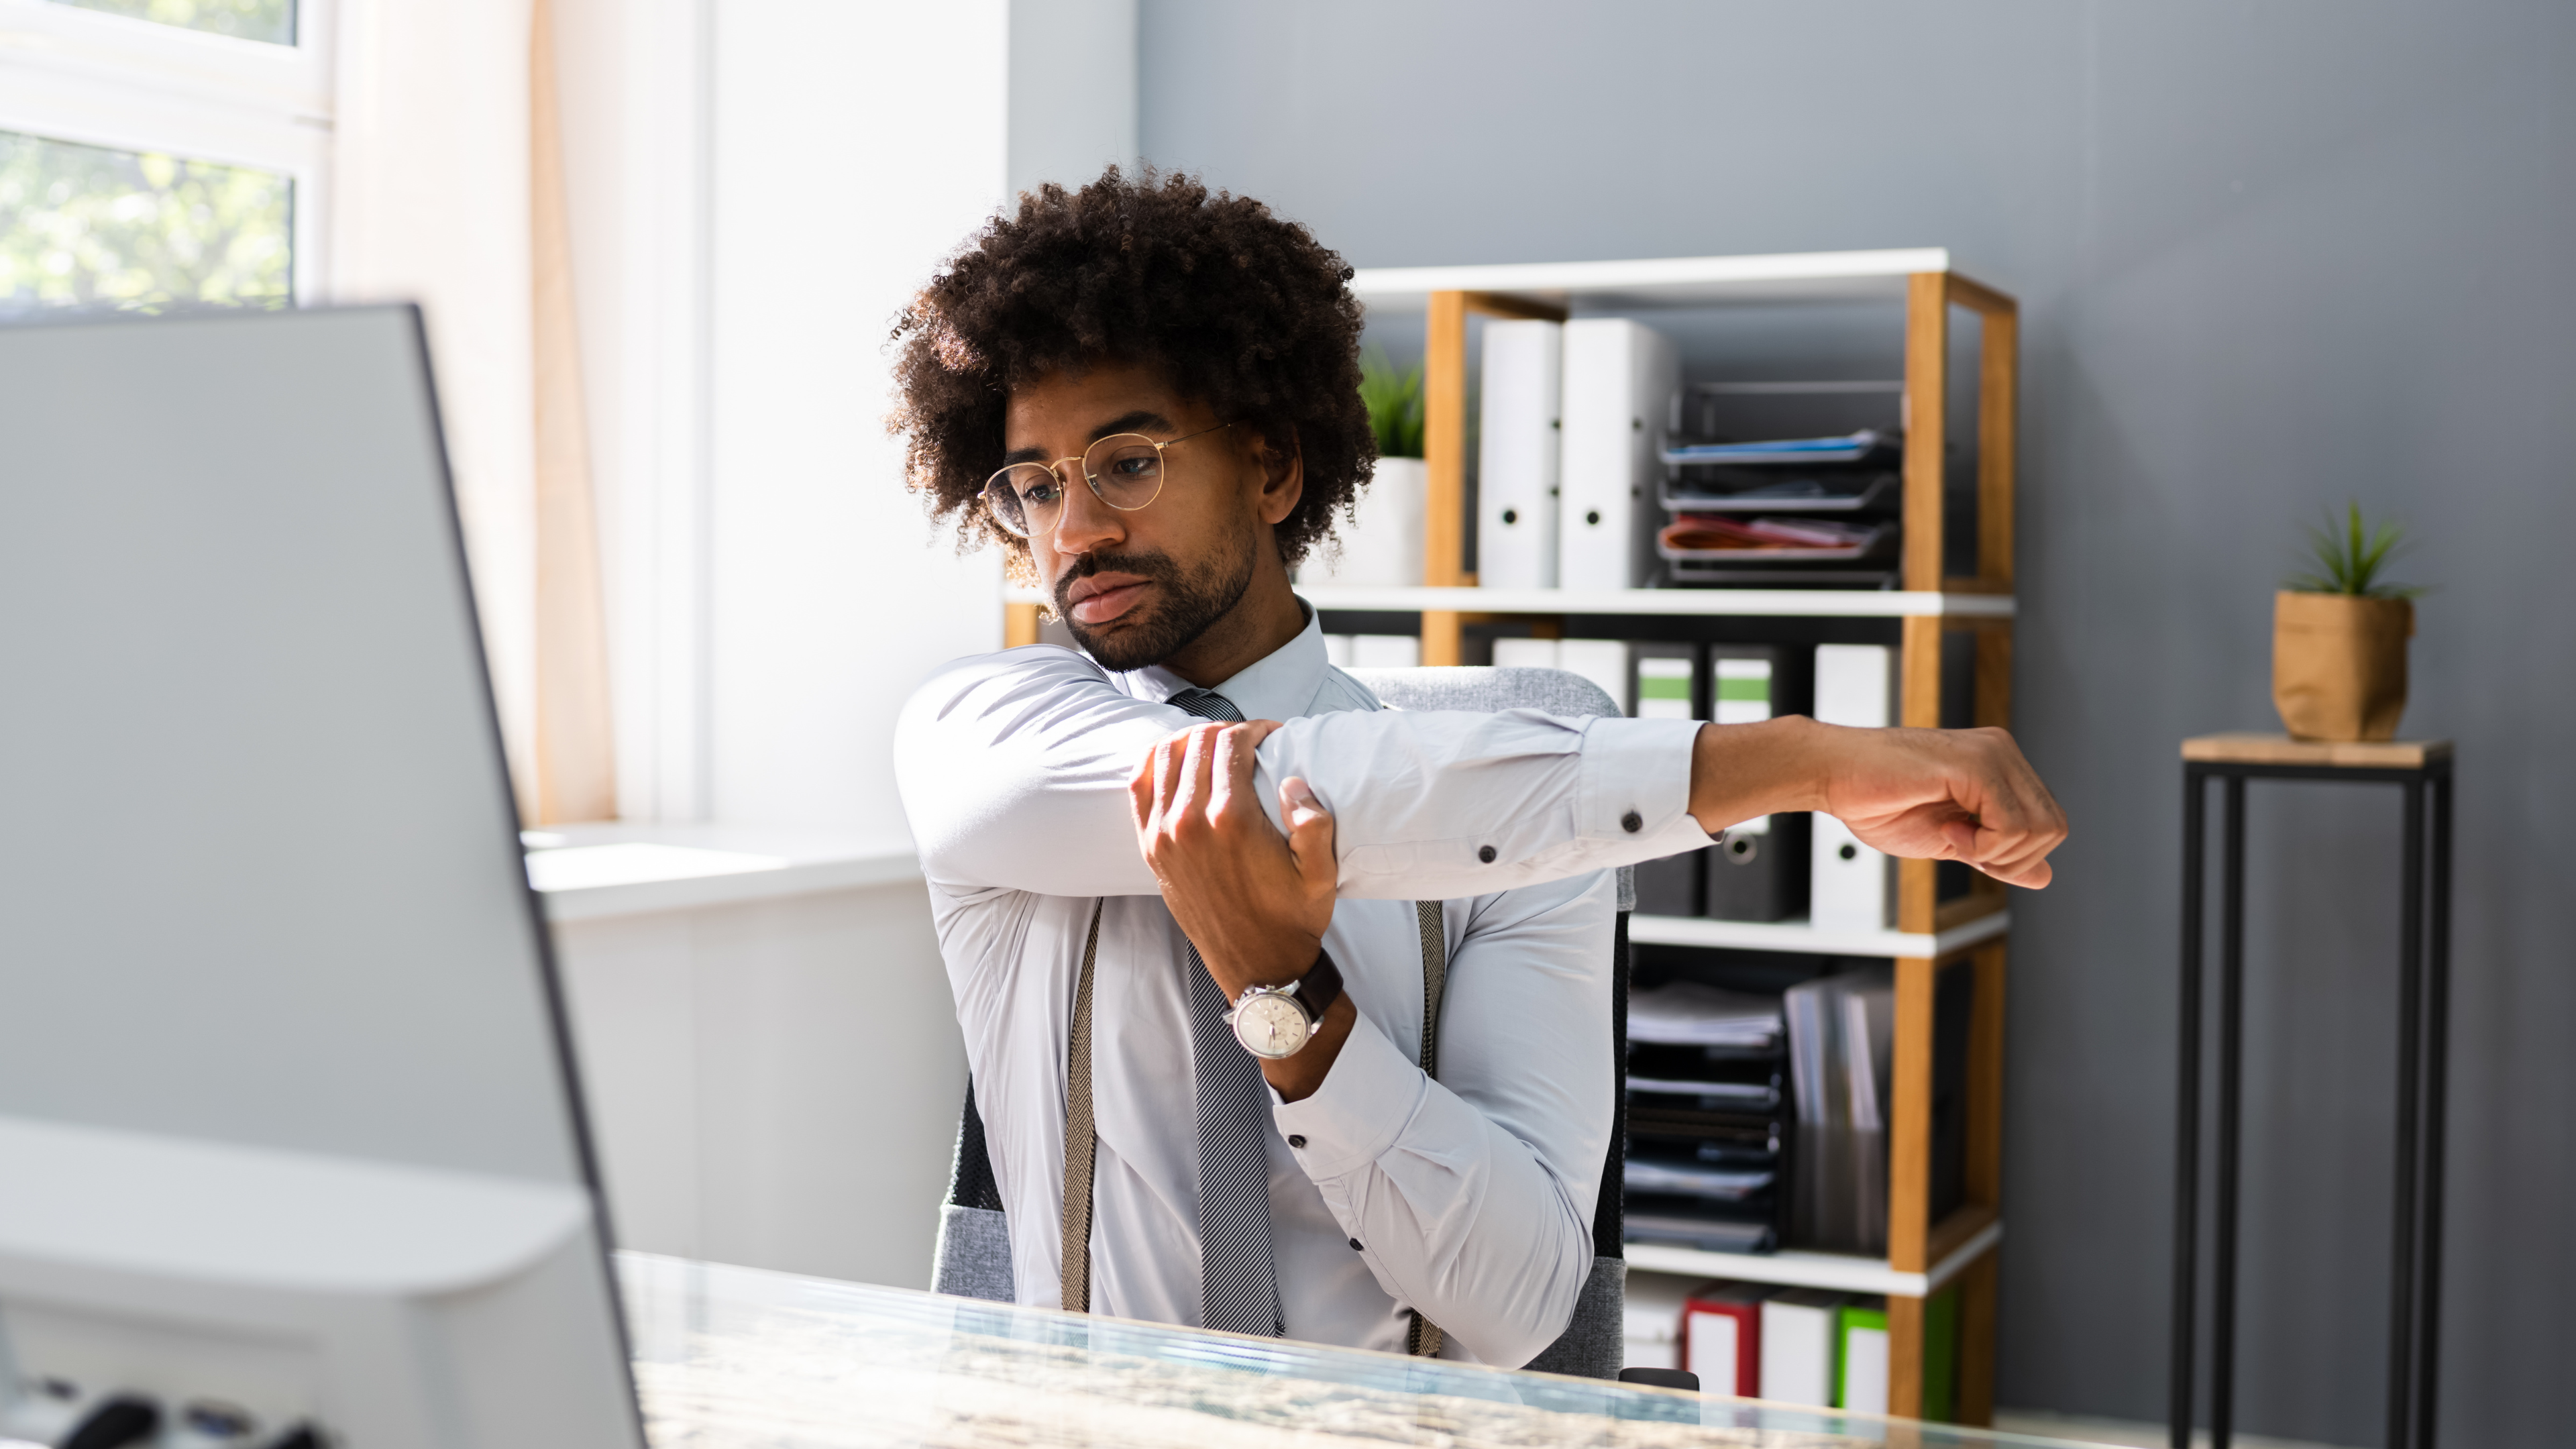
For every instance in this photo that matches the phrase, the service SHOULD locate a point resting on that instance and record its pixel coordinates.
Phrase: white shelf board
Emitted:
(1705, 603)
(1717, 603)
(1664, 281)
(1800, 936)
(1842, 1272)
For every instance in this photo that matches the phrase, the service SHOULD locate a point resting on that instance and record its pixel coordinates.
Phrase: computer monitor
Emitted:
(289, 1130)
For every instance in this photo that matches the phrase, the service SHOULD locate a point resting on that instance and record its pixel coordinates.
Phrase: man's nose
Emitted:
(1086, 523)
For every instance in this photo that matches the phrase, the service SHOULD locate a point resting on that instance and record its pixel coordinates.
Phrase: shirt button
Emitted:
(1632, 822)
(1296, 1141)
(1355, 1246)
(1485, 853)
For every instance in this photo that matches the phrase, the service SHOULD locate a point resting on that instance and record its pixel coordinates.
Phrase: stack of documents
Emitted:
(1697, 536)
(1707, 1109)
(1686, 1013)
(1764, 490)
(1695, 1179)
(1841, 1047)
(1866, 446)
(1747, 512)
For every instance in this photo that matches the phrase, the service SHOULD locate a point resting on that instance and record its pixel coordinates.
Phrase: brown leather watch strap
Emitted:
(1320, 987)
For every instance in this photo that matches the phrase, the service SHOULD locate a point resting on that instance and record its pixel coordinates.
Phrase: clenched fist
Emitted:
(1965, 795)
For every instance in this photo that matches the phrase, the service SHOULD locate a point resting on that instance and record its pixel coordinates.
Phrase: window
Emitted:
(88, 225)
(162, 153)
(269, 20)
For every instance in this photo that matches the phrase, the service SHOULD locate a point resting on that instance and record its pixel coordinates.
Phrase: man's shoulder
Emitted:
(1340, 692)
(1021, 684)
(1028, 666)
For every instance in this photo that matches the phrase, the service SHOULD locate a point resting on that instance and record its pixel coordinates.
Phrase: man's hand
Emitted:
(1255, 903)
(1964, 795)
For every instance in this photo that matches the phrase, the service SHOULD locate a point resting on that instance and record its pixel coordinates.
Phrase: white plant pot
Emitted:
(1383, 548)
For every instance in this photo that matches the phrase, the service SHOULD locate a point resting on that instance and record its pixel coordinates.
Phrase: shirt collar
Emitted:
(1280, 685)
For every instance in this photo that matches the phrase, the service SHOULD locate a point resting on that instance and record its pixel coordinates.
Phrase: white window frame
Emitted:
(85, 76)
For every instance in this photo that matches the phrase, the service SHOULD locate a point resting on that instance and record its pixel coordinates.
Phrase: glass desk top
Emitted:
(730, 1356)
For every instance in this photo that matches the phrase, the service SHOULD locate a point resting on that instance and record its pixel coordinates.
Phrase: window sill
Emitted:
(597, 872)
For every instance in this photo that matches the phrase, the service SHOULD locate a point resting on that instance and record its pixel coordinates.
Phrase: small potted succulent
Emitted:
(2339, 636)
(1381, 543)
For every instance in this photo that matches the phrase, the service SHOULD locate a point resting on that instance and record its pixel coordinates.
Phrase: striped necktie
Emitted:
(1238, 1278)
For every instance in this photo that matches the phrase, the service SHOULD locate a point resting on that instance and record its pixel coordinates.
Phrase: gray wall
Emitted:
(2271, 255)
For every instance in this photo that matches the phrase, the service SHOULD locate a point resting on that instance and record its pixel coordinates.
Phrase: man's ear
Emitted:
(1283, 476)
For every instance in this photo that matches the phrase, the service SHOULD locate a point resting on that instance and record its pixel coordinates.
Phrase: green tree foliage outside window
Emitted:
(269, 20)
(89, 226)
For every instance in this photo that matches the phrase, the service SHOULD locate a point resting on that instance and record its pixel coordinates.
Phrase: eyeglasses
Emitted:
(1125, 471)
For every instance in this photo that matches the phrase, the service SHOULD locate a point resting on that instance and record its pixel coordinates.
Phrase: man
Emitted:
(1148, 395)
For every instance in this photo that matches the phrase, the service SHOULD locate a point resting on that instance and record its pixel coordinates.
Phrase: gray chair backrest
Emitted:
(1596, 1340)
(973, 1256)
(1486, 690)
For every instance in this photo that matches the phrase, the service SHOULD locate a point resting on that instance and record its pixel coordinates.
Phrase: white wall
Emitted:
(854, 146)
(756, 187)
(637, 118)
(772, 1083)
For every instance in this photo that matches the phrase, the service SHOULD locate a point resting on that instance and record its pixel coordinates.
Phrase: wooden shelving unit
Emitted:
(1930, 936)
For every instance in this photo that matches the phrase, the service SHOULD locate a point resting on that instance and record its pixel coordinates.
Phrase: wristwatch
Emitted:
(1277, 1021)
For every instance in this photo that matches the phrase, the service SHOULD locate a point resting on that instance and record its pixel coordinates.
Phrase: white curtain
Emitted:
(450, 192)
(431, 204)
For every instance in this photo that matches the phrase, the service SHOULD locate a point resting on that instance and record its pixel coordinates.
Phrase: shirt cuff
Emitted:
(1635, 783)
(1361, 1109)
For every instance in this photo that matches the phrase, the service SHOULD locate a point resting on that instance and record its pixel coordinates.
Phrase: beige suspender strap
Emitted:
(1424, 1340)
(1081, 1143)
(1435, 979)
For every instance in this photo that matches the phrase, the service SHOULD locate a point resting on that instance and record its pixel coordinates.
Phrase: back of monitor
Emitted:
(287, 1118)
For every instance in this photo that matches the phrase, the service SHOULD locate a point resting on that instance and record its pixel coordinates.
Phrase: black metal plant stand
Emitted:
(2420, 770)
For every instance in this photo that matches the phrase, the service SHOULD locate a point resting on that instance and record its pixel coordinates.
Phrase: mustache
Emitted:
(1151, 564)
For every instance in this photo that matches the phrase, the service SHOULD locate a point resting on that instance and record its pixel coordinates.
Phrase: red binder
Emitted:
(1722, 1337)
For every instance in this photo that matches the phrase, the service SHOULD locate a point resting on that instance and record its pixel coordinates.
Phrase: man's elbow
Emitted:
(1546, 1307)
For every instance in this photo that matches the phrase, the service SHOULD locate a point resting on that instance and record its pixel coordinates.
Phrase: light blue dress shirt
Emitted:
(1469, 1197)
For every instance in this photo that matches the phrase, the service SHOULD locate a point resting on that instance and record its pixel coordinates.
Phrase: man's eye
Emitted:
(1133, 467)
(1042, 493)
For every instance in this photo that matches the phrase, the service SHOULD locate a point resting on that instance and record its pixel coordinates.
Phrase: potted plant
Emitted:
(2339, 636)
(1381, 543)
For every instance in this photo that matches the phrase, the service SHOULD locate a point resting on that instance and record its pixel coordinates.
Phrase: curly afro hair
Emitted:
(1241, 309)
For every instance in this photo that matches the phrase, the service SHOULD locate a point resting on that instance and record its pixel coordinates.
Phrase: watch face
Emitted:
(1271, 1026)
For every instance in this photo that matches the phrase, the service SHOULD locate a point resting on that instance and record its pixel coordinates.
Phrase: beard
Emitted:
(1187, 602)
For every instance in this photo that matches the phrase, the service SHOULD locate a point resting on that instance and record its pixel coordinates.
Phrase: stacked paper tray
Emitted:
(1879, 543)
(1706, 1113)
(1878, 493)
(1869, 445)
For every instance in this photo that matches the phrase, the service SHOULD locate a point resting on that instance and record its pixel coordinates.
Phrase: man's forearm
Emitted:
(1742, 772)
(1965, 795)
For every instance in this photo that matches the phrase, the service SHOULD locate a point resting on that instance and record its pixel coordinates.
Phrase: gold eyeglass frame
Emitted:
(1081, 462)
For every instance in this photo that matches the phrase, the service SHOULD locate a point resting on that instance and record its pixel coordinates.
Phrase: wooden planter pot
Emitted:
(2339, 664)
